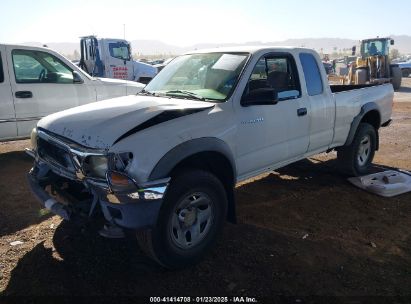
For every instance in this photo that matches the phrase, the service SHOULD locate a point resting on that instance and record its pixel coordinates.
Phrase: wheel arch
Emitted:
(370, 114)
(206, 153)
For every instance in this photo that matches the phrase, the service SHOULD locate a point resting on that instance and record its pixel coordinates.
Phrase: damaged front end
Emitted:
(72, 181)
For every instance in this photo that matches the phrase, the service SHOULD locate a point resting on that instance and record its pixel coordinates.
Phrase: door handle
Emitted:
(302, 111)
(23, 94)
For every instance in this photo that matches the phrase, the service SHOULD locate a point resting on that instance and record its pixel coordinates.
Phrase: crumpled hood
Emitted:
(100, 124)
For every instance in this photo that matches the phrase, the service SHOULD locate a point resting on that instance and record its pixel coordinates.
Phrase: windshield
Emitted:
(374, 47)
(120, 50)
(209, 76)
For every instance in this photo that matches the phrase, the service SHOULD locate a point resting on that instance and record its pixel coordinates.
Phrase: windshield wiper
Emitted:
(144, 92)
(148, 93)
(187, 93)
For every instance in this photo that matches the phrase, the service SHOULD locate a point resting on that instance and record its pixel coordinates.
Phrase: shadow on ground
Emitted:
(303, 230)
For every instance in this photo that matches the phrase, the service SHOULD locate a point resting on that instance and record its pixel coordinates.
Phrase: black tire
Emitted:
(360, 76)
(396, 77)
(405, 72)
(348, 156)
(159, 243)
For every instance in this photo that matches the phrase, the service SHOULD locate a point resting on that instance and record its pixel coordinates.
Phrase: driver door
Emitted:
(270, 135)
(41, 85)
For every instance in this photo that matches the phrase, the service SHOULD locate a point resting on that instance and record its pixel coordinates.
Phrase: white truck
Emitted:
(165, 163)
(111, 58)
(36, 82)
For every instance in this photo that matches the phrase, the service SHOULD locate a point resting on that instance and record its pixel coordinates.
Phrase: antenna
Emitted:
(124, 31)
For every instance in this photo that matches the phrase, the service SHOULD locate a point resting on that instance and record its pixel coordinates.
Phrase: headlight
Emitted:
(33, 138)
(96, 166)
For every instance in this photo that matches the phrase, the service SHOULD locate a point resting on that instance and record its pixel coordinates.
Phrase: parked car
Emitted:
(405, 68)
(35, 82)
(161, 66)
(165, 163)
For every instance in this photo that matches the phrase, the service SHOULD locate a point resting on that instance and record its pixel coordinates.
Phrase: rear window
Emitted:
(1, 70)
(312, 74)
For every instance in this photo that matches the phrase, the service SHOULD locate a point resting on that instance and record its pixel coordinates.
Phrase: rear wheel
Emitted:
(190, 220)
(405, 72)
(356, 158)
(396, 75)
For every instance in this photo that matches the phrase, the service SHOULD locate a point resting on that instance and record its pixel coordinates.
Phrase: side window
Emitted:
(1, 70)
(312, 74)
(86, 50)
(39, 67)
(277, 72)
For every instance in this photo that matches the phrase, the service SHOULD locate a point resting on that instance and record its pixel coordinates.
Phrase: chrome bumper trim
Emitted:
(74, 153)
(30, 152)
(152, 191)
(148, 191)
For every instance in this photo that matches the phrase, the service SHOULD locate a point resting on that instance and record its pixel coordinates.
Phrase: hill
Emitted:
(156, 47)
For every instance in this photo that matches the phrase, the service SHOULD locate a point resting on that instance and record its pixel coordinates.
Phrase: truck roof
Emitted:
(250, 49)
(26, 45)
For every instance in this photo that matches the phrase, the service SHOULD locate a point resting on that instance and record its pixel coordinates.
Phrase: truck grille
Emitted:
(51, 152)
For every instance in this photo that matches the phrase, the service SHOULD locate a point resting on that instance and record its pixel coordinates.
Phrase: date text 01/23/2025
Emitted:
(203, 300)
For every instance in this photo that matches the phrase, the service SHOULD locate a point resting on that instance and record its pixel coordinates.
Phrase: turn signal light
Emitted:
(120, 182)
(119, 179)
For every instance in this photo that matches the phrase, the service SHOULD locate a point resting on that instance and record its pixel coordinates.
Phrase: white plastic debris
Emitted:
(387, 183)
(15, 243)
(305, 236)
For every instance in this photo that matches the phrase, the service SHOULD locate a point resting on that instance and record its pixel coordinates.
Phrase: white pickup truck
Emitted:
(35, 82)
(165, 163)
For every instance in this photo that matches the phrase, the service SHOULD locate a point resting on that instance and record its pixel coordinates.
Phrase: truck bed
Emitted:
(348, 87)
(349, 100)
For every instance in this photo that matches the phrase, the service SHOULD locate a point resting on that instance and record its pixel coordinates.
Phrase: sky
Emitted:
(184, 23)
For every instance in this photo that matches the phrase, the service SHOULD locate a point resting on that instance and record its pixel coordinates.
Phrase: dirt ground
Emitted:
(303, 230)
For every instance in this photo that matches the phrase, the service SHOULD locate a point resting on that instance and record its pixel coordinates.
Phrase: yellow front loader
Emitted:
(373, 66)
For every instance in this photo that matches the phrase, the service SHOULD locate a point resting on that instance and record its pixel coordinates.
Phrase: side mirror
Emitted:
(77, 78)
(392, 42)
(353, 50)
(261, 96)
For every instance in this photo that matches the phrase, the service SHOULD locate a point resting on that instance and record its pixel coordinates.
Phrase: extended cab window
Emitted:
(277, 72)
(1, 70)
(312, 74)
(39, 67)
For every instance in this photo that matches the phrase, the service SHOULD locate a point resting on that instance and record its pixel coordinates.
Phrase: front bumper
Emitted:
(134, 210)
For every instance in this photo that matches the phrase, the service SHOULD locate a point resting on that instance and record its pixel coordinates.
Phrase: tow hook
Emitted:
(57, 208)
(112, 231)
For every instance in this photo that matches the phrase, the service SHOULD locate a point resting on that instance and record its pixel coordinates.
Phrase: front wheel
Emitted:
(396, 75)
(356, 158)
(190, 220)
